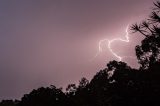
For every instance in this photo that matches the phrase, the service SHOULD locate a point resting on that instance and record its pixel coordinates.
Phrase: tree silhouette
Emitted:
(49, 96)
(148, 53)
(9, 103)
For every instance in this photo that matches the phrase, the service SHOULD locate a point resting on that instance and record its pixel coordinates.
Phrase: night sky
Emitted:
(44, 42)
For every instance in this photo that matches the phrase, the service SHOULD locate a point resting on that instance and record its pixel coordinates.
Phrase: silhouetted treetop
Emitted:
(148, 52)
(49, 96)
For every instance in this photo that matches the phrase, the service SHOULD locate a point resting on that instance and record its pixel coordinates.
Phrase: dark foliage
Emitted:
(9, 103)
(148, 53)
(117, 84)
(50, 96)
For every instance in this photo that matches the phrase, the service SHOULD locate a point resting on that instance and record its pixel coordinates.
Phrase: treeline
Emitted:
(116, 85)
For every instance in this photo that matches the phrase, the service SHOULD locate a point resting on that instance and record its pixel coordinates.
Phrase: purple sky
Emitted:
(44, 42)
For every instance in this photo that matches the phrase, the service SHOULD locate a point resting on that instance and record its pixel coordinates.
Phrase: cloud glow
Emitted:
(109, 43)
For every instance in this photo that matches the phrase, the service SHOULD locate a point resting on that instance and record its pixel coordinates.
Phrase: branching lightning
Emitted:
(109, 43)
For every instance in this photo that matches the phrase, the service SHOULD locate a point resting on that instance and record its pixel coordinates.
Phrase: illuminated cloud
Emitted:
(109, 43)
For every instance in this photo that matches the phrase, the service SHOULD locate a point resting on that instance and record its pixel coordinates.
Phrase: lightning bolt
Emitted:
(109, 43)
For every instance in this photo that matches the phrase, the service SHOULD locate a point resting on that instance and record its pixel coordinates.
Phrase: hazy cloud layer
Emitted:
(45, 42)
